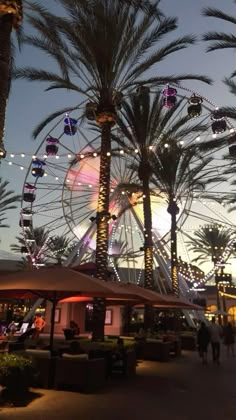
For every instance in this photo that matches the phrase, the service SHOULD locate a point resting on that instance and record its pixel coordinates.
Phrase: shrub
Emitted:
(15, 373)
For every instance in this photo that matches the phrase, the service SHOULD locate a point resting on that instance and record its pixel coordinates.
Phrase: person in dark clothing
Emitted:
(203, 339)
(229, 339)
(75, 328)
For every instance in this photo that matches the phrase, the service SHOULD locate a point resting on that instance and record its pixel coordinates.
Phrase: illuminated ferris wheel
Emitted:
(61, 188)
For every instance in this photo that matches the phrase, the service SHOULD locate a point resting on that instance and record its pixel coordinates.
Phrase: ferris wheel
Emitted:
(61, 188)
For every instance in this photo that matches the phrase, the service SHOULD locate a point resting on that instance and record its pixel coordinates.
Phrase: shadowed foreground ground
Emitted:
(180, 390)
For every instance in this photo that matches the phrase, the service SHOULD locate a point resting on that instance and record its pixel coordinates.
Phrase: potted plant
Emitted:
(15, 375)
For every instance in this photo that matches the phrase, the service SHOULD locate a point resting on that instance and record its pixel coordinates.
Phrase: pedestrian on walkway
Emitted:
(215, 334)
(203, 339)
(229, 339)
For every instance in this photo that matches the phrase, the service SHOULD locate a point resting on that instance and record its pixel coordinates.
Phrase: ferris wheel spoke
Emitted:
(80, 218)
(216, 213)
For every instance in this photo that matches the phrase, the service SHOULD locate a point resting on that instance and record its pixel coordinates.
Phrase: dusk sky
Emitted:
(28, 103)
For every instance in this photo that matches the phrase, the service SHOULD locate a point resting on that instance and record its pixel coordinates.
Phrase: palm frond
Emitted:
(218, 14)
(220, 40)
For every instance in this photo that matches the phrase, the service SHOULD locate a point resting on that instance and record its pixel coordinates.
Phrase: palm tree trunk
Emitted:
(6, 23)
(148, 250)
(224, 305)
(173, 248)
(127, 312)
(148, 243)
(218, 299)
(102, 229)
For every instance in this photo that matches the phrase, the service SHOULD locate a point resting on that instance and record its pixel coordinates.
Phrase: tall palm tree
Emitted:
(8, 201)
(144, 122)
(10, 19)
(211, 242)
(179, 172)
(102, 48)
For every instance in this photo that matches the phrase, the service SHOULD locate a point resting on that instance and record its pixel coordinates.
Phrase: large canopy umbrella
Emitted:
(144, 295)
(153, 297)
(54, 284)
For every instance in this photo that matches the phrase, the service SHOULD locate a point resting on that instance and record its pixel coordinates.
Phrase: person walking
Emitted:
(215, 335)
(229, 339)
(203, 339)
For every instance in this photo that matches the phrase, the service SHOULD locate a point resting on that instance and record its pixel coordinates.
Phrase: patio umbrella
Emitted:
(144, 295)
(153, 297)
(54, 284)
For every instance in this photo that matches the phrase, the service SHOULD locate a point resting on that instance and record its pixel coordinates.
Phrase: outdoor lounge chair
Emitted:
(153, 349)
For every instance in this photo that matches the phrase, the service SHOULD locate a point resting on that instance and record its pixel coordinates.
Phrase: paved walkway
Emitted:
(180, 390)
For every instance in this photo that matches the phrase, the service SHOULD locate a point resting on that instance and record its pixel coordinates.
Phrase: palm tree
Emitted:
(59, 247)
(213, 242)
(10, 18)
(144, 123)
(56, 248)
(139, 125)
(36, 237)
(102, 48)
(179, 172)
(8, 200)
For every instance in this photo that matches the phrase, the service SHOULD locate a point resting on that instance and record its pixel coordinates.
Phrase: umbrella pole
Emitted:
(53, 310)
(51, 367)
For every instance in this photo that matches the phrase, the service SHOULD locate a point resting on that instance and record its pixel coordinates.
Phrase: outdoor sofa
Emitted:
(80, 373)
(153, 349)
(43, 365)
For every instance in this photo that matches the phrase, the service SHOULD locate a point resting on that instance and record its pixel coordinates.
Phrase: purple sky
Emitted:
(28, 103)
